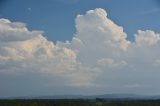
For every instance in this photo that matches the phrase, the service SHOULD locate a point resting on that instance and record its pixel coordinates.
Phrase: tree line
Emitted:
(78, 102)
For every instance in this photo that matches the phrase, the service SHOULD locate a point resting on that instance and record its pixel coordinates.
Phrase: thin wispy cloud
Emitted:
(68, 1)
(29, 9)
(152, 11)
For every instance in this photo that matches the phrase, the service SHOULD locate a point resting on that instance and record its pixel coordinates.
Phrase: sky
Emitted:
(58, 47)
(56, 17)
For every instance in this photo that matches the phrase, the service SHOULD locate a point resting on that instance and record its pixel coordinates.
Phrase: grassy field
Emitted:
(79, 102)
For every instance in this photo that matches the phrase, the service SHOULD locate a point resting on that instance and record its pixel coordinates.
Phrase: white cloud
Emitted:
(22, 50)
(147, 37)
(110, 63)
(98, 47)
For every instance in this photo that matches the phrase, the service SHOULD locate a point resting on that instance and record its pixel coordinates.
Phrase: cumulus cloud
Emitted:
(23, 51)
(98, 48)
(147, 38)
(106, 62)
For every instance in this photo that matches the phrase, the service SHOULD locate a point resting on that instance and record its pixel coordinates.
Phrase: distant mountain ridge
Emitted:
(105, 96)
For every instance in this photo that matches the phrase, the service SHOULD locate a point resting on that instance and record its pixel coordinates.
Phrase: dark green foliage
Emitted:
(79, 102)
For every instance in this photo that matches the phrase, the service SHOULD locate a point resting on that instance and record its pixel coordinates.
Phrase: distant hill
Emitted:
(105, 96)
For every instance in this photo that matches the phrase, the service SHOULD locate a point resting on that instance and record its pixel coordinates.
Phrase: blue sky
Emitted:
(57, 17)
(112, 46)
